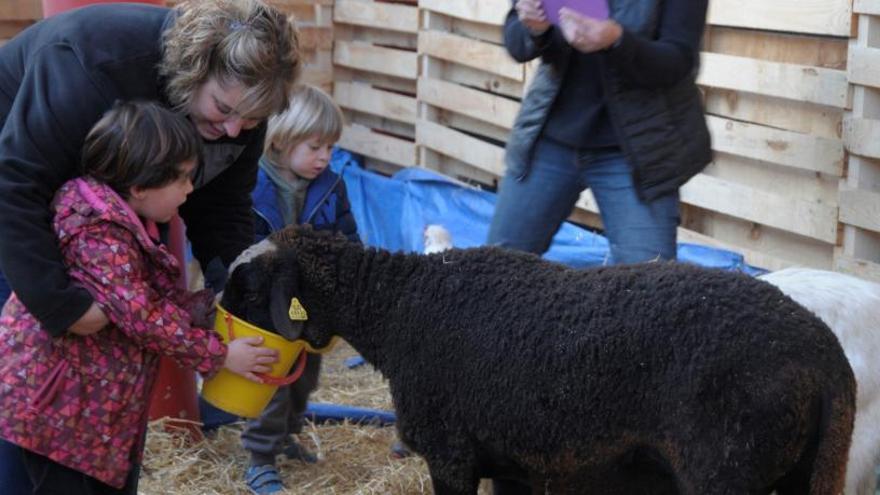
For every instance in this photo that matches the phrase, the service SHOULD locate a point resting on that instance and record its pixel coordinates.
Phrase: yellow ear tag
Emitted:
(297, 312)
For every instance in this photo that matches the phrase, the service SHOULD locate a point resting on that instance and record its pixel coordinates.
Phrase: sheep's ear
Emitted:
(279, 309)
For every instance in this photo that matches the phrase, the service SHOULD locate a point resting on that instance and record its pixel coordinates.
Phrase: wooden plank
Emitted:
(469, 76)
(790, 81)
(776, 146)
(382, 81)
(460, 146)
(315, 38)
(857, 267)
(476, 104)
(862, 136)
(786, 48)
(388, 16)
(485, 11)
(803, 217)
(797, 116)
(783, 181)
(382, 125)
(364, 98)
(861, 208)
(864, 66)
(21, 10)
(472, 53)
(871, 7)
(863, 171)
(366, 57)
(361, 140)
(793, 248)
(828, 17)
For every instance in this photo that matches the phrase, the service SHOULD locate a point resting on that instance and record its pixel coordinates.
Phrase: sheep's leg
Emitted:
(453, 475)
(450, 484)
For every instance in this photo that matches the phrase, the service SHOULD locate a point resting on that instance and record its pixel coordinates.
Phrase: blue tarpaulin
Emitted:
(392, 212)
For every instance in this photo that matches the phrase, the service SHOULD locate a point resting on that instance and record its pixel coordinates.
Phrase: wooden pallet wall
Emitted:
(376, 67)
(775, 82)
(468, 90)
(860, 192)
(315, 23)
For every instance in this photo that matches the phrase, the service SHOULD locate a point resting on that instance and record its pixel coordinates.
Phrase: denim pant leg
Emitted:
(637, 231)
(529, 211)
(14, 479)
(5, 291)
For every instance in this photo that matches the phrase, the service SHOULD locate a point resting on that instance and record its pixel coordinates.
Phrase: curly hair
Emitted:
(234, 41)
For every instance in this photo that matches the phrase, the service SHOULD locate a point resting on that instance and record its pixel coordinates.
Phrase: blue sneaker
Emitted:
(263, 480)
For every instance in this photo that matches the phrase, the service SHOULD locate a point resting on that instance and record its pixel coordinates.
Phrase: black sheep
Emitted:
(654, 378)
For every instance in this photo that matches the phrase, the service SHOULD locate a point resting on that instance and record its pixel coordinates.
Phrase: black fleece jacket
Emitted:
(56, 80)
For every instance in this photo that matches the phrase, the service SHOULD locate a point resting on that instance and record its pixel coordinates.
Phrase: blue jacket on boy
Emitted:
(326, 206)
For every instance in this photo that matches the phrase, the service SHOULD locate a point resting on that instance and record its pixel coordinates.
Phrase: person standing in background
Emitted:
(614, 107)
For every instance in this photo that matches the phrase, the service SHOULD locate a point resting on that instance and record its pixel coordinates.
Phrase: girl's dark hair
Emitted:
(139, 144)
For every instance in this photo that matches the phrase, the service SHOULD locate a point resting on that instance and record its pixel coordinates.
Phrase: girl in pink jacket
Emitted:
(77, 405)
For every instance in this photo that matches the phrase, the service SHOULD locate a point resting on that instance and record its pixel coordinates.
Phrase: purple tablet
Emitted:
(597, 9)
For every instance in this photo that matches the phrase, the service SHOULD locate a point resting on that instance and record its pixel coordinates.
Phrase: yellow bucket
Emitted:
(238, 395)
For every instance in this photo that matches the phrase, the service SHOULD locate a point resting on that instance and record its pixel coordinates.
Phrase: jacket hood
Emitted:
(84, 201)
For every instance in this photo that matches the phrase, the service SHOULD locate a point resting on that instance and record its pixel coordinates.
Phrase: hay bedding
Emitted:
(354, 459)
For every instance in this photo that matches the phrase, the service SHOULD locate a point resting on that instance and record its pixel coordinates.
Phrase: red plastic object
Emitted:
(52, 7)
(174, 394)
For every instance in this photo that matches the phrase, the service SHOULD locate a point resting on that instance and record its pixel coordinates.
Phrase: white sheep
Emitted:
(851, 307)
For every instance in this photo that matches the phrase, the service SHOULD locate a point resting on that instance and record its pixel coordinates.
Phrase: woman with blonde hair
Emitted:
(227, 65)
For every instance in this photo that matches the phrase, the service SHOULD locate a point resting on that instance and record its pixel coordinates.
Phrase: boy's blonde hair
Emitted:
(311, 112)
(234, 41)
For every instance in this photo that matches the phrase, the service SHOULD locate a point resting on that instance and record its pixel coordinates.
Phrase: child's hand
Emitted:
(246, 358)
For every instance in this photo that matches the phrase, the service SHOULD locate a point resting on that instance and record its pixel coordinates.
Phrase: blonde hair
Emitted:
(311, 112)
(233, 41)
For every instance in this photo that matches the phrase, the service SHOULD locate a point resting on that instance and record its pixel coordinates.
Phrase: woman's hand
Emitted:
(91, 322)
(246, 358)
(532, 15)
(586, 34)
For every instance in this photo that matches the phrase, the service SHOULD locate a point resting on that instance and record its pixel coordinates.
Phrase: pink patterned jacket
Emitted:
(83, 401)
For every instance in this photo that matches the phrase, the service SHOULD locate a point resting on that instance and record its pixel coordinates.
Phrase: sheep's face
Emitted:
(259, 291)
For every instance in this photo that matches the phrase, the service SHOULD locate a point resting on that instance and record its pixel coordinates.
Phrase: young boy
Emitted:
(295, 185)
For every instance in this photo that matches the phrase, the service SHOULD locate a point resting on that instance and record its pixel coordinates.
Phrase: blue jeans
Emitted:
(5, 291)
(14, 479)
(529, 211)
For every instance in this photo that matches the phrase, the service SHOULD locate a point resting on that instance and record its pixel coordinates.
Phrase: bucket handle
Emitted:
(269, 379)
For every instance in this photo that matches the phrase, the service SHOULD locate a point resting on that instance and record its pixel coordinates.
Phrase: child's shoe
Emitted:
(263, 480)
